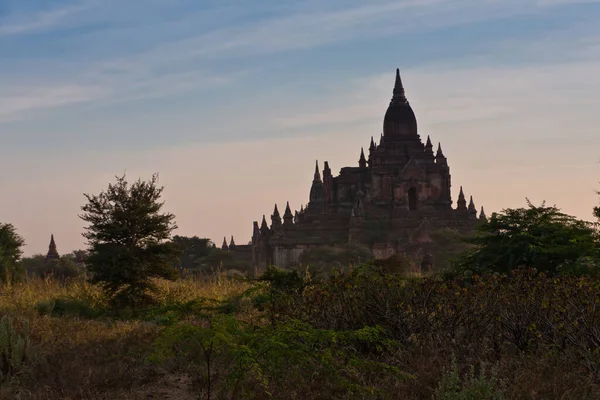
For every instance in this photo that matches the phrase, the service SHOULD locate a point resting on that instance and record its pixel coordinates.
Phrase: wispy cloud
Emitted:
(316, 26)
(38, 21)
(167, 64)
(26, 100)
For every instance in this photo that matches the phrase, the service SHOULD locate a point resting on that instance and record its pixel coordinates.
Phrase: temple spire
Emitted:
(439, 152)
(317, 176)
(362, 161)
(472, 209)
(439, 156)
(52, 252)
(275, 218)
(224, 245)
(231, 244)
(326, 169)
(461, 202)
(482, 215)
(264, 228)
(372, 145)
(399, 95)
(429, 147)
(317, 192)
(255, 229)
(288, 217)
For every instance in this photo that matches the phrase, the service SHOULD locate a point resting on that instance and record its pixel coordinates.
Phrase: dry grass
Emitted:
(103, 358)
(106, 356)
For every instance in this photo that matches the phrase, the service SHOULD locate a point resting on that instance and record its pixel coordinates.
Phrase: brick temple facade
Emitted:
(391, 201)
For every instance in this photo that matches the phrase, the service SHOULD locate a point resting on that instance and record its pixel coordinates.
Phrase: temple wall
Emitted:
(382, 251)
(284, 256)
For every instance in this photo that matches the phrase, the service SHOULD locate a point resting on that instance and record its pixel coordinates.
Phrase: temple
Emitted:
(391, 201)
(52, 251)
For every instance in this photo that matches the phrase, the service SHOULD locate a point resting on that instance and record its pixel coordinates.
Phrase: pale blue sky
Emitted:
(232, 101)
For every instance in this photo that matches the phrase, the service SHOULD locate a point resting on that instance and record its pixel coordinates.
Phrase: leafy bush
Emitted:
(526, 310)
(14, 348)
(452, 387)
(10, 253)
(245, 361)
(67, 307)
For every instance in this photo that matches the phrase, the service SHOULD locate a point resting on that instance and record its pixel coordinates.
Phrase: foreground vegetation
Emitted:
(360, 333)
(512, 315)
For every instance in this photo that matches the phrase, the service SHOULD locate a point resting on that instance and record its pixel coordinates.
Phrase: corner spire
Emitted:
(461, 203)
(317, 191)
(482, 215)
(231, 244)
(224, 245)
(362, 161)
(439, 152)
(439, 156)
(317, 176)
(429, 147)
(288, 217)
(275, 218)
(255, 230)
(372, 145)
(472, 208)
(264, 228)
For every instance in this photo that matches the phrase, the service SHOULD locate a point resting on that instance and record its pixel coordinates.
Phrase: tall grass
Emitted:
(355, 334)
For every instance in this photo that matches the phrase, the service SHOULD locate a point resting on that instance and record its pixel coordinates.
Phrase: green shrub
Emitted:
(470, 387)
(252, 361)
(14, 348)
(67, 307)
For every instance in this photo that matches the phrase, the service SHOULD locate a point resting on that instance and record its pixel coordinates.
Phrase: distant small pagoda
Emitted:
(52, 252)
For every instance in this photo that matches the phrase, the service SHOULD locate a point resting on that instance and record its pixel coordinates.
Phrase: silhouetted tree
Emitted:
(67, 266)
(128, 240)
(597, 210)
(539, 237)
(10, 252)
(193, 250)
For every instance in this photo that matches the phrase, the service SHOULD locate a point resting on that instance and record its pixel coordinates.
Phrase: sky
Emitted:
(231, 102)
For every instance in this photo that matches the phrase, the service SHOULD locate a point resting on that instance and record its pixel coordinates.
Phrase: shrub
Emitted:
(470, 387)
(14, 348)
(239, 360)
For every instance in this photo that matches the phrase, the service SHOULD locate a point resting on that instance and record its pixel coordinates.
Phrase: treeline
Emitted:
(196, 256)
(130, 242)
